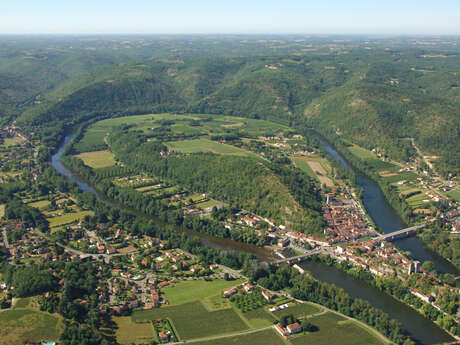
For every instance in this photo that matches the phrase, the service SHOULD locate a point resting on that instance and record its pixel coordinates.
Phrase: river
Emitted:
(387, 220)
(420, 329)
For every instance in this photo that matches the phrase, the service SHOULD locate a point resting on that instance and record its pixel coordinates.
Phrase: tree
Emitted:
(307, 326)
(428, 266)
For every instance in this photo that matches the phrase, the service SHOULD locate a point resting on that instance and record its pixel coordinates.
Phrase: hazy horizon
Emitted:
(179, 17)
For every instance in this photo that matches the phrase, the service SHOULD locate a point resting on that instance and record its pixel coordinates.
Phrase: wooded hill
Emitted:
(374, 97)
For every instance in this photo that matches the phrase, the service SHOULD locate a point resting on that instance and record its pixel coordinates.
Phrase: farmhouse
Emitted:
(230, 292)
(294, 328)
(267, 295)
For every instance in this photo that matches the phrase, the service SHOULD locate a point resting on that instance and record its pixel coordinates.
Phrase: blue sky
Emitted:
(231, 16)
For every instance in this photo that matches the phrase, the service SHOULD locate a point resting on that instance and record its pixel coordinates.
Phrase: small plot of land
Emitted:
(129, 332)
(418, 201)
(454, 194)
(316, 168)
(336, 330)
(192, 320)
(19, 326)
(189, 291)
(259, 318)
(97, 159)
(68, 218)
(209, 204)
(206, 145)
(40, 204)
(362, 153)
(266, 337)
(2, 210)
(298, 310)
(12, 141)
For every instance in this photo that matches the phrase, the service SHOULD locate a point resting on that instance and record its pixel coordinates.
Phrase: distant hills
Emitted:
(376, 97)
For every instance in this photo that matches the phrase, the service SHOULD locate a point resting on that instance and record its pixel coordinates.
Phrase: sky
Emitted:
(438, 17)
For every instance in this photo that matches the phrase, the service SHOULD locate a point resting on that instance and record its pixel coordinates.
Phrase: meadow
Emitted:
(97, 159)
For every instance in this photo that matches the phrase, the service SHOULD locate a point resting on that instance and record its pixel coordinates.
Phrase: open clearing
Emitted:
(40, 204)
(195, 290)
(298, 310)
(266, 337)
(68, 218)
(321, 173)
(206, 145)
(19, 326)
(192, 320)
(454, 194)
(12, 141)
(129, 332)
(97, 159)
(336, 330)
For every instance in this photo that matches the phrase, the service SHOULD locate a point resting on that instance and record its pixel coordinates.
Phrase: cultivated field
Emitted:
(206, 145)
(97, 159)
(12, 141)
(336, 330)
(2, 210)
(19, 326)
(266, 337)
(196, 290)
(298, 310)
(129, 332)
(67, 218)
(192, 320)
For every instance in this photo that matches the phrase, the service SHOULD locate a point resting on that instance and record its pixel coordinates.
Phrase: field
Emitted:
(454, 194)
(209, 203)
(129, 332)
(189, 291)
(19, 326)
(336, 330)
(40, 204)
(362, 153)
(97, 159)
(2, 210)
(418, 200)
(299, 310)
(206, 145)
(317, 168)
(12, 141)
(192, 320)
(266, 337)
(259, 318)
(67, 218)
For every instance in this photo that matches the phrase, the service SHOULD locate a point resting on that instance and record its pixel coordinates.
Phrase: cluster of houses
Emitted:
(344, 222)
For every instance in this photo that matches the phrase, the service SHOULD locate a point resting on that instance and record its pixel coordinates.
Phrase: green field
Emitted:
(19, 326)
(192, 320)
(97, 159)
(209, 203)
(12, 141)
(67, 218)
(418, 200)
(298, 310)
(129, 332)
(336, 330)
(266, 337)
(259, 318)
(302, 164)
(362, 153)
(206, 145)
(195, 290)
(454, 194)
(40, 204)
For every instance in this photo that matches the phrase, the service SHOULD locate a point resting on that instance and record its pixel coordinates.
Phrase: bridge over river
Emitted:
(399, 233)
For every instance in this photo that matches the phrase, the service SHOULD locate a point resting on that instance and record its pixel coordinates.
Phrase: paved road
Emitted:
(5, 239)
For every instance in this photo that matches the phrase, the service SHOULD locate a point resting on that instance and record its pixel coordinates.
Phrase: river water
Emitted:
(420, 329)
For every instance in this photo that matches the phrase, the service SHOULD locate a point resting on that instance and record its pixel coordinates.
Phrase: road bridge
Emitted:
(399, 233)
(299, 258)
